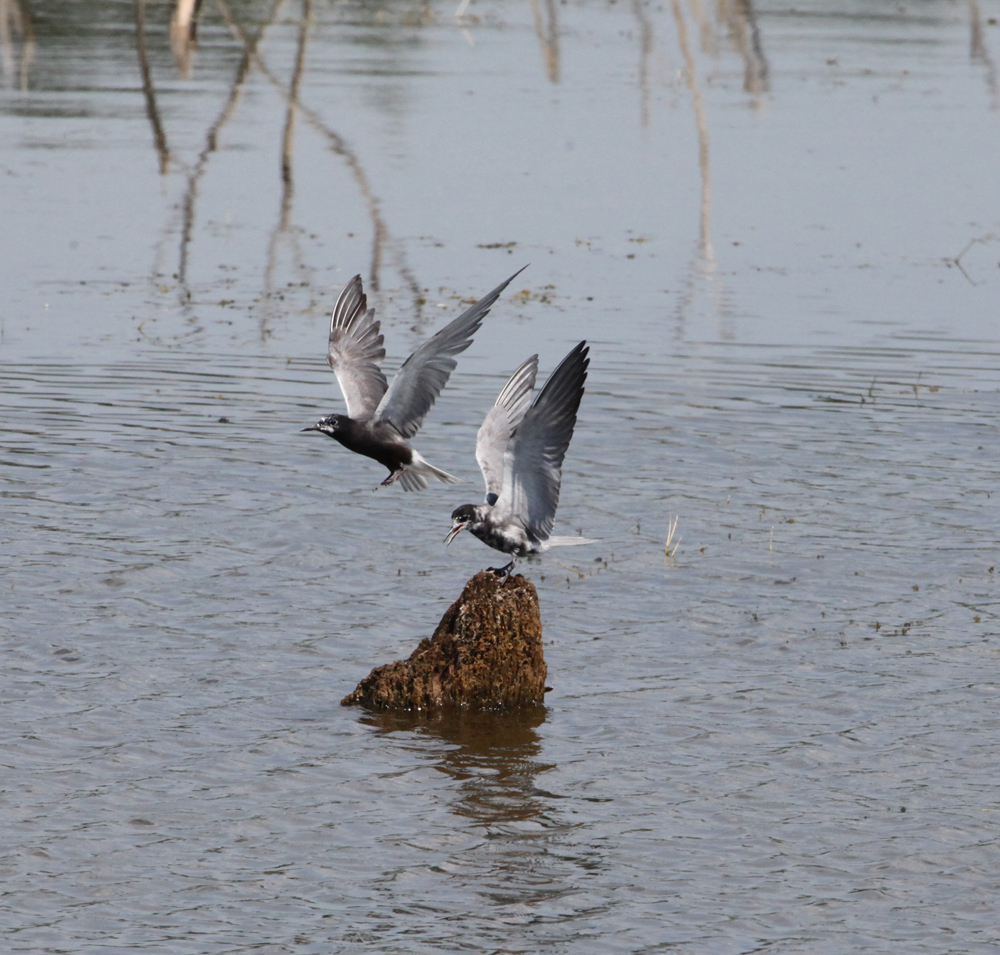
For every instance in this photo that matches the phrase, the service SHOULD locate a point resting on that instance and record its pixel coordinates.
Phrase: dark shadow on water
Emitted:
(492, 755)
(531, 848)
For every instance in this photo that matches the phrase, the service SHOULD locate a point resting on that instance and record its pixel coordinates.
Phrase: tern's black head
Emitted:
(461, 518)
(464, 514)
(328, 425)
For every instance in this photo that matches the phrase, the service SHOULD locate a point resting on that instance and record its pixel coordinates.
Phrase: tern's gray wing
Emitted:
(501, 420)
(532, 465)
(356, 350)
(418, 383)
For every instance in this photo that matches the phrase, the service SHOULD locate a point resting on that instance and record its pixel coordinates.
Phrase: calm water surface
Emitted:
(779, 230)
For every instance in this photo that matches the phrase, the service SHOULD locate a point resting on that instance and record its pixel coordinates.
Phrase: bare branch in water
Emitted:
(287, 140)
(16, 18)
(337, 144)
(698, 104)
(645, 48)
(979, 53)
(184, 34)
(742, 20)
(159, 136)
(704, 272)
(293, 93)
(706, 26)
(983, 240)
(548, 36)
(212, 140)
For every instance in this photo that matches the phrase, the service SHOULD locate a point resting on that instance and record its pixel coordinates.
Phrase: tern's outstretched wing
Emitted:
(532, 465)
(418, 383)
(499, 425)
(356, 350)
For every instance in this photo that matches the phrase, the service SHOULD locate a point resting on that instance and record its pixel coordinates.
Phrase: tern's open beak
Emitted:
(453, 532)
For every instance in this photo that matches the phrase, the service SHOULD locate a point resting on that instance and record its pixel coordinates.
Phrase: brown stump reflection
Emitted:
(527, 848)
(491, 755)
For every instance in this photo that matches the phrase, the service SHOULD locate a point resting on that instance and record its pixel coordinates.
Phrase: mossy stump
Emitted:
(486, 653)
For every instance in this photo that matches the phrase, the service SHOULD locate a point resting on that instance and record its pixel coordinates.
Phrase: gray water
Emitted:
(779, 230)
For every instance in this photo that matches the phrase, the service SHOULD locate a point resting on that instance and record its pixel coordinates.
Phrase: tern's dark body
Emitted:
(382, 417)
(374, 439)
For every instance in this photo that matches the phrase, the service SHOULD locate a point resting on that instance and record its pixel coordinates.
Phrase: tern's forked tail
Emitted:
(570, 541)
(417, 473)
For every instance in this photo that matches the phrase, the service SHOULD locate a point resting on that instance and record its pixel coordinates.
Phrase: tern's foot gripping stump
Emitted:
(486, 653)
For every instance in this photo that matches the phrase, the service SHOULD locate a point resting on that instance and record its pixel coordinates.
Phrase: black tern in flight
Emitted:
(381, 417)
(520, 450)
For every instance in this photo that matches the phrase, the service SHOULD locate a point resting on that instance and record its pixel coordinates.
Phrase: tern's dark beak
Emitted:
(453, 532)
(312, 427)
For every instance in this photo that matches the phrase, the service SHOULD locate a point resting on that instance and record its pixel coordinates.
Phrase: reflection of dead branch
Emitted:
(185, 18)
(212, 141)
(287, 187)
(980, 53)
(691, 78)
(293, 94)
(977, 45)
(983, 240)
(548, 36)
(159, 136)
(704, 272)
(339, 146)
(16, 18)
(184, 34)
(707, 28)
(757, 78)
(742, 20)
(645, 48)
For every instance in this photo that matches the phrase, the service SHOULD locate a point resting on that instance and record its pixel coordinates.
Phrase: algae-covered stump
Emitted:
(486, 653)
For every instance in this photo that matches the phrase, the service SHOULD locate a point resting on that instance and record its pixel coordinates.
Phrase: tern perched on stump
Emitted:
(381, 418)
(520, 449)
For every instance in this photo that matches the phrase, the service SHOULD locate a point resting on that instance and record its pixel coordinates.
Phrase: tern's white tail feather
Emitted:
(569, 541)
(419, 471)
